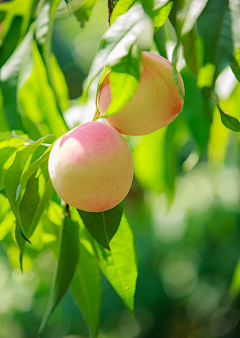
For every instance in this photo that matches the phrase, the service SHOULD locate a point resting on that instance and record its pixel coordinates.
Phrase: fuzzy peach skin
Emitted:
(91, 167)
(156, 103)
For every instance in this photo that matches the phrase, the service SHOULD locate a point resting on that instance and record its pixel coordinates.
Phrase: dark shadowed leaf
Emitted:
(10, 74)
(68, 257)
(103, 225)
(214, 26)
(236, 64)
(193, 110)
(120, 263)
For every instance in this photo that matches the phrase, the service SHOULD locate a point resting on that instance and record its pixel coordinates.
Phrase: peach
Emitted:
(156, 103)
(91, 167)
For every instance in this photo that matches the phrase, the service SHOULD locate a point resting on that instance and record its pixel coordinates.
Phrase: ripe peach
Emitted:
(156, 103)
(91, 167)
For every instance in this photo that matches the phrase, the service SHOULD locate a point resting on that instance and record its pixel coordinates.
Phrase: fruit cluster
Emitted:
(91, 166)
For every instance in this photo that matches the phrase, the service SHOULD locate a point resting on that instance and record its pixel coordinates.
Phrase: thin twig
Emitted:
(68, 211)
(110, 9)
(27, 140)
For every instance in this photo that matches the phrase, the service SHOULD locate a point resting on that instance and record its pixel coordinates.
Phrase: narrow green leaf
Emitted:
(117, 41)
(9, 76)
(86, 288)
(236, 64)
(68, 257)
(120, 263)
(124, 80)
(229, 121)
(103, 225)
(42, 99)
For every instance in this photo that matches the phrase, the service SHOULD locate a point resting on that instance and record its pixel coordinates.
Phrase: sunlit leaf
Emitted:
(67, 260)
(103, 225)
(42, 100)
(12, 180)
(161, 14)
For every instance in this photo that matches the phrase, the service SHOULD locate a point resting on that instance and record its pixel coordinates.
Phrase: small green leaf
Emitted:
(120, 263)
(124, 80)
(68, 257)
(86, 288)
(103, 225)
(229, 121)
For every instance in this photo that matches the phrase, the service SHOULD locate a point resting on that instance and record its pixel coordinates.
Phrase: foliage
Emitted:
(202, 43)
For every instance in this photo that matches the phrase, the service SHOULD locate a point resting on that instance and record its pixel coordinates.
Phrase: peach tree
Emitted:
(33, 101)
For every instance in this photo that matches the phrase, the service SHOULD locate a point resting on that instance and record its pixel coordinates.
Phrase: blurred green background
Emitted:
(184, 207)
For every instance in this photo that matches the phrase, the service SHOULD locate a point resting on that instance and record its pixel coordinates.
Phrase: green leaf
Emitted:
(214, 26)
(120, 263)
(86, 288)
(124, 80)
(194, 110)
(31, 209)
(12, 179)
(68, 257)
(118, 40)
(229, 121)
(236, 64)
(10, 75)
(103, 225)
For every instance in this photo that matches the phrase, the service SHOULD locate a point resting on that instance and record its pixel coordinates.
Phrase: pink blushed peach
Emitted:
(91, 167)
(156, 103)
